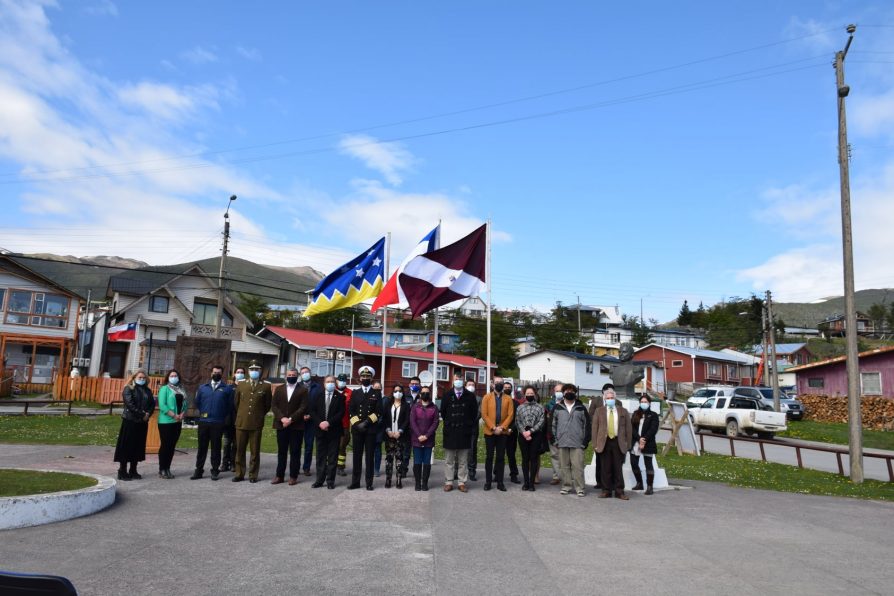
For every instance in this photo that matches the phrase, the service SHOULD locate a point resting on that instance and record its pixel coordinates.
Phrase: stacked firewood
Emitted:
(878, 412)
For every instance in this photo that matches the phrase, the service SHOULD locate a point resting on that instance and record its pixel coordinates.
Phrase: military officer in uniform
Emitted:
(229, 432)
(253, 400)
(365, 409)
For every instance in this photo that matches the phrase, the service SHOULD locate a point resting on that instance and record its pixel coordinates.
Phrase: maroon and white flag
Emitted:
(447, 274)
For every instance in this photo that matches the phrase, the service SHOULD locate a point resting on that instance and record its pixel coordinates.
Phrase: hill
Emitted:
(809, 314)
(276, 285)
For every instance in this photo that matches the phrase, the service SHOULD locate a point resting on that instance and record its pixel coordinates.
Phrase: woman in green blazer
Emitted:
(172, 405)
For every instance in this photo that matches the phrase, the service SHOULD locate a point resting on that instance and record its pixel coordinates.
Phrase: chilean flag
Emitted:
(393, 293)
(447, 274)
(124, 332)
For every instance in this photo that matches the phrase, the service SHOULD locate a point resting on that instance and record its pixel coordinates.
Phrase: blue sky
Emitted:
(638, 151)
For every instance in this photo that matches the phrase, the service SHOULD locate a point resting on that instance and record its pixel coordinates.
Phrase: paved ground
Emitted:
(203, 537)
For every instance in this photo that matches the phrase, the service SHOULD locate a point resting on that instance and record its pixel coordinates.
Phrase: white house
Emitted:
(165, 306)
(588, 372)
(473, 307)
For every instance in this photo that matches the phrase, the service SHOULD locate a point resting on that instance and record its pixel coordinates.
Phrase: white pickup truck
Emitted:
(737, 415)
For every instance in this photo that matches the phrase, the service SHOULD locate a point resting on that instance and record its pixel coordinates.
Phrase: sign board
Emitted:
(682, 433)
(325, 354)
(340, 355)
(426, 378)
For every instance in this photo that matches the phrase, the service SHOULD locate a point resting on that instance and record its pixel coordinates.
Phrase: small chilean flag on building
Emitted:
(123, 332)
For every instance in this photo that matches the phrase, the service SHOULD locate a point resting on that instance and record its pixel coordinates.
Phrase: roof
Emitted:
(398, 330)
(839, 359)
(9, 258)
(710, 354)
(780, 348)
(575, 356)
(313, 339)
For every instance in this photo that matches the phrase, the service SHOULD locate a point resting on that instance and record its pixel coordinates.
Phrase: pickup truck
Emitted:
(787, 405)
(705, 393)
(736, 415)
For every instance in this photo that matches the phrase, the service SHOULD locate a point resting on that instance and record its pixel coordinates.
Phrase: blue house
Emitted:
(421, 340)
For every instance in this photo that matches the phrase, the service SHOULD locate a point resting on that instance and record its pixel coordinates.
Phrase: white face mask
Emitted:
(458, 384)
(398, 395)
(471, 388)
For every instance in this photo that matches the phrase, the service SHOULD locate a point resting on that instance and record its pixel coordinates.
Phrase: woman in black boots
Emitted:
(529, 419)
(645, 427)
(172, 404)
(396, 424)
(138, 407)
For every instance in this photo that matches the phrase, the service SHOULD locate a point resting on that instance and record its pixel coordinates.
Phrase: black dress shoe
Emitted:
(238, 478)
(354, 486)
(196, 475)
(215, 474)
(307, 472)
(525, 487)
(123, 475)
(316, 484)
(369, 487)
(514, 480)
(252, 480)
(501, 486)
(330, 485)
(487, 486)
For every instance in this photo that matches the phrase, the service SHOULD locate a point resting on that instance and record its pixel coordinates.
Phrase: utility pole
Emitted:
(220, 276)
(765, 346)
(578, 314)
(771, 333)
(854, 416)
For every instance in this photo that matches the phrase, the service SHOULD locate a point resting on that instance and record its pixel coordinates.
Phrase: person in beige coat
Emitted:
(611, 435)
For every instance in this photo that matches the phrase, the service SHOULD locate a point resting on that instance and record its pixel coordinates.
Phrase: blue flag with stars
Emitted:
(359, 279)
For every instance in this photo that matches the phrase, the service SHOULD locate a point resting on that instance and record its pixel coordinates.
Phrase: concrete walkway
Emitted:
(204, 537)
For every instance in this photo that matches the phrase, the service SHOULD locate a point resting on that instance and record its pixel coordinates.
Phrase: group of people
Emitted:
(331, 416)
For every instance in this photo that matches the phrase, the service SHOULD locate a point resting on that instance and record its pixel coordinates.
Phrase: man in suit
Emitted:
(512, 436)
(497, 412)
(595, 404)
(459, 411)
(253, 401)
(341, 383)
(314, 391)
(366, 409)
(611, 432)
(326, 417)
(289, 408)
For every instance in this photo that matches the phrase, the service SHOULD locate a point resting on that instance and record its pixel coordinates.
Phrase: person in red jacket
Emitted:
(341, 384)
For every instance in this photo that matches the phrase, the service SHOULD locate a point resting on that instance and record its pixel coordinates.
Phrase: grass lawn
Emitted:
(828, 432)
(16, 483)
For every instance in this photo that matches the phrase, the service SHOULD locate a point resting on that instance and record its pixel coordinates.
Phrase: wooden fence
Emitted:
(96, 389)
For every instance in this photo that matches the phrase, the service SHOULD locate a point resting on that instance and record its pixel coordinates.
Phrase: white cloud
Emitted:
(199, 55)
(389, 159)
(253, 54)
(102, 8)
(872, 115)
(166, 101)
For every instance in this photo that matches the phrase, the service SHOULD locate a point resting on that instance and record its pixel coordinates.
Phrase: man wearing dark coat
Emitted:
(365, 410)
(326, 416)
(459, 411)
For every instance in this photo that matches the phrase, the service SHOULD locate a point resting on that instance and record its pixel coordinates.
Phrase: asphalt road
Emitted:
(204, 537)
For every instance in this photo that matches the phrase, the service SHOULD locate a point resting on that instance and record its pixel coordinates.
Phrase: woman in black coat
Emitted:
(138, 407)
(395, 425)
(645, 427)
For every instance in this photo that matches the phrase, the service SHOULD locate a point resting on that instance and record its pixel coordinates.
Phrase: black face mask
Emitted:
(507, 390)
(530, 397)
(291, 380)
(365, 382)
(570, 396)
(498, 387)
(216, 377)
(425, 396)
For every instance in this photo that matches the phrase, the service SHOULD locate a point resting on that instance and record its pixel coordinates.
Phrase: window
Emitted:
(818, 382)
(732, 371)
(615, 338)
(37, 309)
(712, 370)
(408, 369)
(676, 363)
(205, 313)
(708, 404)
(442, 372)
(158, 304)
(482, 376)
(2, 296)
(721, 402)
(589, 367)
(470, 376)
(871, 382)
(161, 361)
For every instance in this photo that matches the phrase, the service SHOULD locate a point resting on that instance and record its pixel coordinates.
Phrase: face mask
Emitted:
(398, 395)
(415, 388)
(610, 403)
(457, 384)
(173, 380)
(558, 395)
(254, 374)
(570, 396)
(498, 387)
(470, 388)
(305, 377)
(530, 397)
(240, 376)
(425, 396)
(341, 384)
(140, 381)
(644, 406)
(330, 387)
(216, 377)
(291, 380)
(365, 382)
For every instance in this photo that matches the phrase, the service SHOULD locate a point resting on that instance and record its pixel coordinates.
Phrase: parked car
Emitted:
(702, 395)
(737, 414)
(792, 408)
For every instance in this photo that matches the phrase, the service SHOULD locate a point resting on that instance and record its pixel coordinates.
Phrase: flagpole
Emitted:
(385, 310)
(487, 275)
(351, 368)
(434, 392)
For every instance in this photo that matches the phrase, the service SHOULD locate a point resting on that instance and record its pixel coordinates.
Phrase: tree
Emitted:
(642, 333)
(336, 321)
(890, 317)
(685, 318)
(734, 323)
(559, 332)
(878, 314)
(254, 308)
(472, 333)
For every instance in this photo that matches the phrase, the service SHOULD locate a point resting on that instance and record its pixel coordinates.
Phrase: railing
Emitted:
(101, 390)
(233, 333)
(837, 451)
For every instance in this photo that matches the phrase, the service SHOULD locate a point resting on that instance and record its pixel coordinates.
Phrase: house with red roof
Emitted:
(327, 354)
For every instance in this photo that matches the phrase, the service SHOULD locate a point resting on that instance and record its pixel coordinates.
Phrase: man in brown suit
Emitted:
(289, 408)
(253, 400)
(611, 435)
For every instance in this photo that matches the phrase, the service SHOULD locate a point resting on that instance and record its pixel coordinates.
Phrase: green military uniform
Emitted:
(253, 400)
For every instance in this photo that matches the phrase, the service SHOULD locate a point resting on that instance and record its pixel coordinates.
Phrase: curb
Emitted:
(34, 510)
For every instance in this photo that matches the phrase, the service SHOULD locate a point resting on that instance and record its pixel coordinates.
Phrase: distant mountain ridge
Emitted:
(809, 314)
(274, 285)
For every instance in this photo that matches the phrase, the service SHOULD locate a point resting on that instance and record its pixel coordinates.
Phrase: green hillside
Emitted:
(809, 314)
